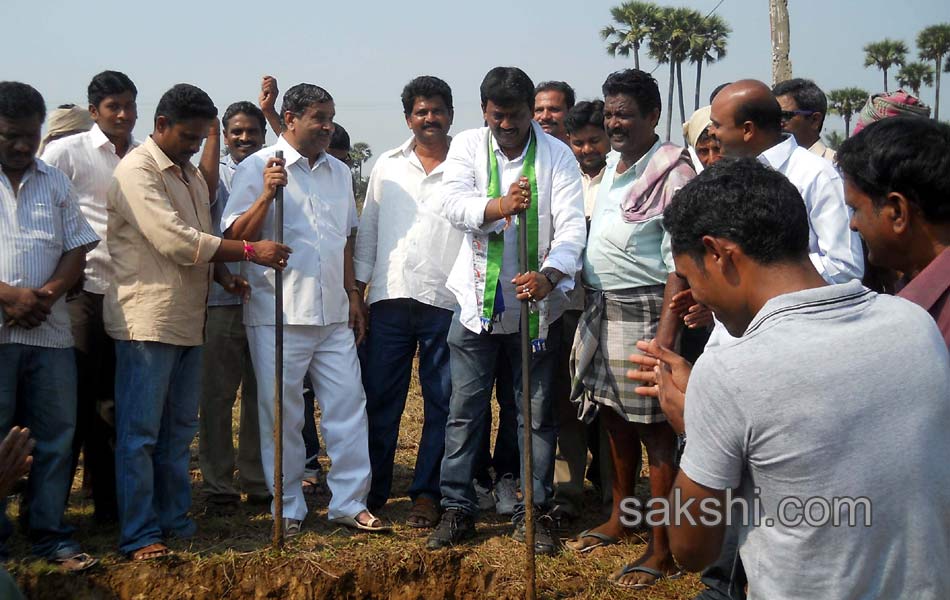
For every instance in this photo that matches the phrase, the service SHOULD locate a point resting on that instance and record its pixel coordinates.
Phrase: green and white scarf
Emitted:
(496, 241)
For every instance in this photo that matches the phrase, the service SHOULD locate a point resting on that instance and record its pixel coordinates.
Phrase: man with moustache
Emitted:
(323, 307)
(89, 159)
(490, 175)
(404, 251)
(43, 242)
(227, 360)
(630, 280)
(552, 100)
(161, 248)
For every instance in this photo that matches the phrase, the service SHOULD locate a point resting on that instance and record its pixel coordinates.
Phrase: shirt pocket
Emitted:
(44, 226)
(620, 234)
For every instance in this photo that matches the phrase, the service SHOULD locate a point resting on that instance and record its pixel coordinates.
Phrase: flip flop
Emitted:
(603, 539)
(657, 575)
(75, 563)
(424, 513)
(374, 524)
(150, 552)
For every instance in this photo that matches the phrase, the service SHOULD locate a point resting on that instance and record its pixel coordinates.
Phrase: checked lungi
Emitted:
(607, 333)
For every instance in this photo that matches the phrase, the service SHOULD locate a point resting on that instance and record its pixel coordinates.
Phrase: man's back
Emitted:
(834, 392)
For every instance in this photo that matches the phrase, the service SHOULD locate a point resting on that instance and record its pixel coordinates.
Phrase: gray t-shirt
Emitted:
(834, 392)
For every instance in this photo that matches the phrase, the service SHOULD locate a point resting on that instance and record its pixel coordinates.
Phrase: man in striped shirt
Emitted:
(43, 244)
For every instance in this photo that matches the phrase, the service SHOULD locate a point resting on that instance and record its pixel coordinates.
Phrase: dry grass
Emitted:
(231, 556)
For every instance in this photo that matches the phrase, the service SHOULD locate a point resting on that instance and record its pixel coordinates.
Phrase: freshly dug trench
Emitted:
(410, 576)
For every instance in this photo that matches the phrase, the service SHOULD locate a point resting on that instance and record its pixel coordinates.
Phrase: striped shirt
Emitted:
(38, 225)
(89, 159)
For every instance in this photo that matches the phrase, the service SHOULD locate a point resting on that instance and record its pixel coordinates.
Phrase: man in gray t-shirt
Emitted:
(832, 407)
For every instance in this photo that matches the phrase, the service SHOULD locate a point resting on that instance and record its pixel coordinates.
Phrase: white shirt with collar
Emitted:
(319, 214)
(404, 247)
(833, 248)
(89, 159)
(561, 221)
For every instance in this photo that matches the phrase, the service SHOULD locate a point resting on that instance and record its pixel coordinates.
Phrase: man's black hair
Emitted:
(637, 84)
(806, 94)
(715, 92)
(340, 140)
(744, 201)
(109, 83)
(66, 106)
(907, 155)
(184, 102)
(584, 113)
(507, 86)
(425, 86)
(20, 101)
(301, 97)
(765, 113)
(246, 108)
(558, 86)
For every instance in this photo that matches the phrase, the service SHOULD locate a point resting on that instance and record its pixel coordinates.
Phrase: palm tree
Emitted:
(708, 45)
(885, 54)
(669, 44)
(846, 102)
(834, 140)
(934, 43)
(636, 21)
(915, 74)
(360, 153)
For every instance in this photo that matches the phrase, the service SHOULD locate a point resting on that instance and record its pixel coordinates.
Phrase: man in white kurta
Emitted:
(319, 224)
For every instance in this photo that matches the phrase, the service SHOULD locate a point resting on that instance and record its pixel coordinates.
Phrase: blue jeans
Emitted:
(396, 329)
(157, 391)
(474, 357)
(725, 579)
(505, 458)
(38, 390)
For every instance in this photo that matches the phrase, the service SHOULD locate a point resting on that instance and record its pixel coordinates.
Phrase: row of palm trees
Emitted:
(672, 36)
(933, 44)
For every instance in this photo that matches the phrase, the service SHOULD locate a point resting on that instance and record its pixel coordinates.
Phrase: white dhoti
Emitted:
(328, 353)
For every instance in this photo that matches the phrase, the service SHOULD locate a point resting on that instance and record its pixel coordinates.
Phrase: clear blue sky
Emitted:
(364, 52)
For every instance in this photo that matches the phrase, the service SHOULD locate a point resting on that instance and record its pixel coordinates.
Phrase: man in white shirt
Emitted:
(405, 249)
(490, 175)
(226, 360)
(89, 159)
(321, 304)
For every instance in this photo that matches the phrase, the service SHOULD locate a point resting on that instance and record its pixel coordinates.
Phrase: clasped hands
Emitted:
(665, 375)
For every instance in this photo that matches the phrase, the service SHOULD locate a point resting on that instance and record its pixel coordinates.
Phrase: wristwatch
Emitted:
(553, 276)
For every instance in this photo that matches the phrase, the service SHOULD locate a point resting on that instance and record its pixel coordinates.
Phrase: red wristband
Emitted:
(249, 253)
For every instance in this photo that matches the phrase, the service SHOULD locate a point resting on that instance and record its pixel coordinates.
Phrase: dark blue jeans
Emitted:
(38, 390)
(396, 329)
(474, 357)
(725, 579)
(505, 458)
(157, 391)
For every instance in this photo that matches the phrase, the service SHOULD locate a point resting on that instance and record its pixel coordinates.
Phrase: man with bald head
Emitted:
(747, 121)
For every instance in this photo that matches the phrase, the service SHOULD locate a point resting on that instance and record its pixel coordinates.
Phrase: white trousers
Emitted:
(328, 353)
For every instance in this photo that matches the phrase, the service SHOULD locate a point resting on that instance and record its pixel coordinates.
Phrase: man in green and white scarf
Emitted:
(490, 175)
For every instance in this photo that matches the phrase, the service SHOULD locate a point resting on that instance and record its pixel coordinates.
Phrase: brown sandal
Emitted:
(424, 513)
(150, 552)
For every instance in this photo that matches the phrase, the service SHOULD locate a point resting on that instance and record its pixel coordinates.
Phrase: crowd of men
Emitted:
(138, 299)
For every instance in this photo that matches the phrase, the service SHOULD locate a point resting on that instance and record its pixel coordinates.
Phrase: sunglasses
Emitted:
(788, 115)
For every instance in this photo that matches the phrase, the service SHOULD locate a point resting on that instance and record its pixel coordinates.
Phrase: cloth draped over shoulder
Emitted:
(668, 170)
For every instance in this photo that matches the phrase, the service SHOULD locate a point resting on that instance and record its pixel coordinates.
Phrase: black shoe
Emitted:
(454, 527)
(544, 542)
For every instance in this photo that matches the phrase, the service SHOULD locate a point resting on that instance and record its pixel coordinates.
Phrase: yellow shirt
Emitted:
(159, 221)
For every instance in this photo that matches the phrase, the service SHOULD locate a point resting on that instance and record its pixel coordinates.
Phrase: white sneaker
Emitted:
(485, 499)
(506, 495)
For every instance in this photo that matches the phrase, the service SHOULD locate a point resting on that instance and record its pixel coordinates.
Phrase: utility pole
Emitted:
(778, 20)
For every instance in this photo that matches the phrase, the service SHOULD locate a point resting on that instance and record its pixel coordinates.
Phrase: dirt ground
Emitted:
(231, 557)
